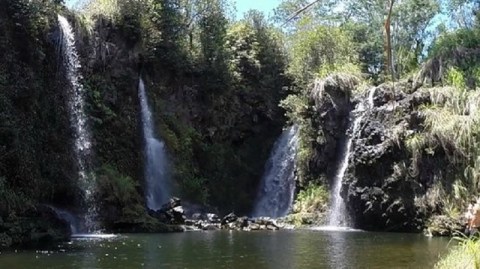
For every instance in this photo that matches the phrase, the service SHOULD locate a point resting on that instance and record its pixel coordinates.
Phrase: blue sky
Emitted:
(242, 6)
(263, 5)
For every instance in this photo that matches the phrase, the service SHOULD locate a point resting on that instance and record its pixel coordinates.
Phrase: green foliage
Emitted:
(120, 189)
(120, 192)
(465, 255)
(455, 78)
(317, 50)
(181, 140)
(456, 51)
(12, 201)
(310, 206)
(451, 126)
(314, 198)
(299, 112)
(99, 110)
(111, 9)
(450, 41)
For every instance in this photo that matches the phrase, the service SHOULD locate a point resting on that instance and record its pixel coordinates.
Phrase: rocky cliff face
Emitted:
(387, 186)
(35, 150)
(329, 121)
(381, 187)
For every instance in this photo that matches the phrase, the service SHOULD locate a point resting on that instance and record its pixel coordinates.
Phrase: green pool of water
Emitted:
(252, 250)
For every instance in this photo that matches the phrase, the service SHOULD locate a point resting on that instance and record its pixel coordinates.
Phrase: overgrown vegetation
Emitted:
(117, 192)
(310, 206)
(465, 255)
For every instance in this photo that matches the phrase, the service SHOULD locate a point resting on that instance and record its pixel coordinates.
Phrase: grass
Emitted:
(340, 81)
(464, 256)
(452, 124)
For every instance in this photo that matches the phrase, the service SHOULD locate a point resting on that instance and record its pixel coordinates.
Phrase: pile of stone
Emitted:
(231, 221)
(173, 213)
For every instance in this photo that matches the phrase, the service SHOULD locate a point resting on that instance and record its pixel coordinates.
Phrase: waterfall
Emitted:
(337, 216)
(156, 163)
(277, 189)
(67, 217)
(371, 95)
(78, 119)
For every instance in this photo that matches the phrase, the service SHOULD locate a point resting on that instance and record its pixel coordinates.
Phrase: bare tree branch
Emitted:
(298, 12)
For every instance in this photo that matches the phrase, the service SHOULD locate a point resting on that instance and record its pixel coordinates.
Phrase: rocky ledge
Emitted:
(173, 213)
(41, 227)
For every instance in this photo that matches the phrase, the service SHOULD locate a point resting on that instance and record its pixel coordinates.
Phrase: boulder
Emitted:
(210, 227)
(242, 222)
(229, 218)
(254, 226)
(170, 213)
(443, 226)
(272, 227)
(172, 203)
(213, 218)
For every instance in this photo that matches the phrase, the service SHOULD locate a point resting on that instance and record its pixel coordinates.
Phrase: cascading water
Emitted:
(337, 216)
(68, 217)
(78, 119)
(156, 163)
(278, 182)
(371, 95)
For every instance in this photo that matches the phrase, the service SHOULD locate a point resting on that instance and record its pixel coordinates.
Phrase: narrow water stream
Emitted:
(338, 216)
(157, 185)
(78, 120)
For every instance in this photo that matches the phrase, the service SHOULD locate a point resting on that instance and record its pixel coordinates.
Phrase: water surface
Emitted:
(254, 250)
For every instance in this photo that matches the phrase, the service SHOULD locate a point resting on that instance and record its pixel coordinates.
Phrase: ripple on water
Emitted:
(334, 229)
(93, 236)
(306, 249)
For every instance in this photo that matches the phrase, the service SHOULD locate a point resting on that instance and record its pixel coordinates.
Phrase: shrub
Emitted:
(455, 78)
(313, 198)
(120, 191)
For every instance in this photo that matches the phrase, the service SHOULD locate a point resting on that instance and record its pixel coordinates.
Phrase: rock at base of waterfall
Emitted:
(254, 226)
(173, 202)
(443, 226)
(231, 222)
(213, 218)
(229, 219)
(41, 227)
(170, 213)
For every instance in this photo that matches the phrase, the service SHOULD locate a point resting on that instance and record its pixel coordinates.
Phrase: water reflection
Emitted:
(259, 250)
(338, 250)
